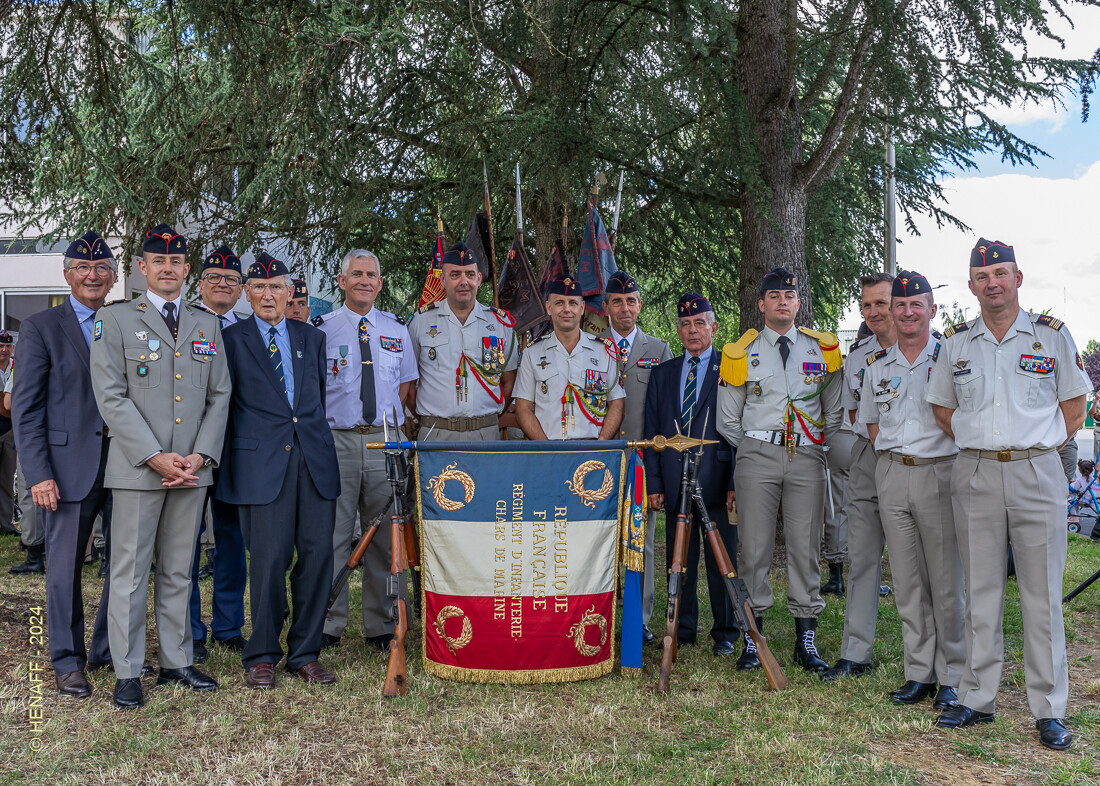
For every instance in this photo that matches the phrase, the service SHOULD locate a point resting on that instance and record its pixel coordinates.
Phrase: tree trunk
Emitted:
(773, 205)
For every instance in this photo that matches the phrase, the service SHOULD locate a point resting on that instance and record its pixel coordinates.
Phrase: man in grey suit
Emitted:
(63, 450)
(639, 354)
(162, 386)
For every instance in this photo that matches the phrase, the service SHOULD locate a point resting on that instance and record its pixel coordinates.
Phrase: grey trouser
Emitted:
(1022, 502)
(835, 547)
(865, 545)
(31, 526)
(487, 434)
(164, 522)
(765, 476)
(365, 491)
(915, 503)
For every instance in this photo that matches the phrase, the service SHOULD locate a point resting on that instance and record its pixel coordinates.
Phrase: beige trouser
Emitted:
(835, 547)
(765, 476)
(865, 545)
(487, 434)
(364, 490)
(1022, 502)
(915, 503)
(164, 522)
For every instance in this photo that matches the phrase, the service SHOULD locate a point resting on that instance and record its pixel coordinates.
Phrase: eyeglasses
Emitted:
(228, 278)
(84, 270)
(274, 289)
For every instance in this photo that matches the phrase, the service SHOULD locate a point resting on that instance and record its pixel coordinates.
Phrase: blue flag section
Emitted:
(633, 558)
(595, 262)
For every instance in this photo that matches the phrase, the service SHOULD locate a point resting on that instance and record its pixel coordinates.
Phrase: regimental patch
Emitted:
(1080, 365)
(937, 334)
(959, 328)
(1037, 364)
(935, 353)
(203, 348)
(876, 356)
(649, 362)
(1049, 321)
(97, 331)
(391, 344)
(318, 320)
(595, 381)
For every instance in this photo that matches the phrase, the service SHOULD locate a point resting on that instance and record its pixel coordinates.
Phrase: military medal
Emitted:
(154, 345)
(343, 356)
(154, 356)
(201, 336)
(544, 388)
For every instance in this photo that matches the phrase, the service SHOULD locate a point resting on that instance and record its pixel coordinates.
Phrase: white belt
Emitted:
(780, 438)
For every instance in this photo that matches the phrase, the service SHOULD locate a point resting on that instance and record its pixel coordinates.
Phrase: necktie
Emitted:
(689, 395)
(170, 318)
(784, 349)
(276, 358)
(366, 380)
(221, 320)
(624, 350)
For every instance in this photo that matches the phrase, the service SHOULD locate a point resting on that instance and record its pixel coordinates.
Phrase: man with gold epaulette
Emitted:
(1010, 389)
(467, 355)
(568, 381)
(778, 404)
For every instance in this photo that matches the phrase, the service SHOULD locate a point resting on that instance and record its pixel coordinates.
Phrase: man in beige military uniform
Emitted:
(568, 381)
(1010, 389)
(913, 478)
(467, 355)
(779, 402)
(639, 354)
(865, 538)
(162, 386)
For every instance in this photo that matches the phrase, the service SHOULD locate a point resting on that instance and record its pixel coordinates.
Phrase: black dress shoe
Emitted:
(960, 717)
(1054, 734)
(199, 653)
(381, 642)
(912, 692)
(189, 676)
(104, 568)
(74, 684)
(127, 695)
(647, 635)
(235, 643)
(845, 668)
(724, 648)
(946, 698)
(328, 642)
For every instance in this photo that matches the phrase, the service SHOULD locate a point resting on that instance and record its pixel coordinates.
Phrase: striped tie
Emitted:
(276, 358)
(687, 408)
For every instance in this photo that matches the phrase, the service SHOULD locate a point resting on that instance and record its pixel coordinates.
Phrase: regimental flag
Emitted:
(433, 284)
(595, 262)
(517, 290)
(477, 240)
(519, 567)
(557, 265)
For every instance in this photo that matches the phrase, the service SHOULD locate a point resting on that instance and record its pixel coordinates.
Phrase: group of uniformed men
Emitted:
(951, 448)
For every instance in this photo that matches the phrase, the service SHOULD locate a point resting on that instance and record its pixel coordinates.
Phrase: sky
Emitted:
(1049, 213)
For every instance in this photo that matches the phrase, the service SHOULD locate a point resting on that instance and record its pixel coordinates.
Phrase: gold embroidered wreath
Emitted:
(588, 497)
(450, 472)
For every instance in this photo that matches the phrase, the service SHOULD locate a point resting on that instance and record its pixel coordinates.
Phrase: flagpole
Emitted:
(618, 205)
(519, 204)
(492, 242)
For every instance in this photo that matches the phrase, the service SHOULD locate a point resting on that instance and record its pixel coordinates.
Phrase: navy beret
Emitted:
(459, 254)
(222, 258)
(620, 283)
(267, 266)
(6, 338)
(910, 283)
(300, 288)
(780, 280)
(988, 252)
(563, 285)
(162, 239)
(90, 247)
(692, 303)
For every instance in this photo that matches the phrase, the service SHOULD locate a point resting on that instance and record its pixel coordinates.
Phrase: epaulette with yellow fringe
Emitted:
(734, 368)
(830, 347)
(959, 328)
(1048, 320)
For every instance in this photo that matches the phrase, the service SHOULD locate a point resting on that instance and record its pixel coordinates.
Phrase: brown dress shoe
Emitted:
(316, 673)
(261, 675)
(74, 684)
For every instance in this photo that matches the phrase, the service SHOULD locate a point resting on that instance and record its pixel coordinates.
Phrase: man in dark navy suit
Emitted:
(62, 445)
(681, 393)
(280, 467)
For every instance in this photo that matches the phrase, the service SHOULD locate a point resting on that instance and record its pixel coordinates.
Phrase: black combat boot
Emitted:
(805, 651)
(835, 584)
(35, 562)
(749, 660)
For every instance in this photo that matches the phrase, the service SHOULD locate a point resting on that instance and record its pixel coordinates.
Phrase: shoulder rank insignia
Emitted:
(734, 367)
(318, 320)
(830, 347)
(428, 307)
(1048, 320)
(116, 302)
(856, 344)
(503, 316)
(959, 328)
(876, 356)
(937, 334)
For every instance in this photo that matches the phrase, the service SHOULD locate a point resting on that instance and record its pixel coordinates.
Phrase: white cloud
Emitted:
(1051, 223)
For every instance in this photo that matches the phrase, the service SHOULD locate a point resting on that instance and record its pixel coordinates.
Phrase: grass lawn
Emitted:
(716, 725)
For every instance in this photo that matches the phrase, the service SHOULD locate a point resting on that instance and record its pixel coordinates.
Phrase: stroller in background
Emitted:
(1083, 508)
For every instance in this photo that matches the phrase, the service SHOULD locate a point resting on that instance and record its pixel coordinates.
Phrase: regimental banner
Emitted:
(519, 562)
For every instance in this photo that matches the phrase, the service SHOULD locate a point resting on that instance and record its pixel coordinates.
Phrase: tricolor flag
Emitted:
(433, 284)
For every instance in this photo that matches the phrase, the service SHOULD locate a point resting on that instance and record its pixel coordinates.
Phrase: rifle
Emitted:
(395, 586)
(356, 557)
(675, 576)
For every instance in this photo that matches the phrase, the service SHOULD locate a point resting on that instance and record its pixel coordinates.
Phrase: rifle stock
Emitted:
(395, 669)
(777, 680)
(412, 553)
(355, 558)
(672, 622)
